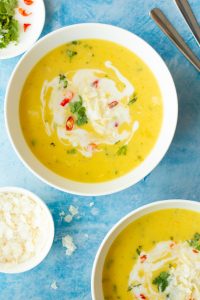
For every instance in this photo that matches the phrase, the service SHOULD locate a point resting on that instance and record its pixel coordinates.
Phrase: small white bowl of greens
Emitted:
(21, 23)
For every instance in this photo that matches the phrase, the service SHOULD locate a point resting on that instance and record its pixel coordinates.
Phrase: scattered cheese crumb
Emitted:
(68, 218)
(62, 214)
(54, 285)
(67, 242)
(73, 210)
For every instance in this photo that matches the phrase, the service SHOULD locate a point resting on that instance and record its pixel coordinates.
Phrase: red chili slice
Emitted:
(143, 258)
(92, 146)
(112, 104)
(142, 296)
(70, 123)
(95, 83)
(23, 12)
(67, 99)
(26, 25)
(28, 2)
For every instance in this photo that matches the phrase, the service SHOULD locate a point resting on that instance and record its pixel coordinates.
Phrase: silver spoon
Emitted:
(161, 20)
(189, 17)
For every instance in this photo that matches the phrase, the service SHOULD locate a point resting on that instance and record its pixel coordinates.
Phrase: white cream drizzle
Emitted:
(96, 101)
(183, 282)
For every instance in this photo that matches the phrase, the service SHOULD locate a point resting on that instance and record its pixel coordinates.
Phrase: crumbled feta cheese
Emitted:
(67, 242)
(62, 214)
(73, 210)
(68, 218)
(54, 285)
(23, 227)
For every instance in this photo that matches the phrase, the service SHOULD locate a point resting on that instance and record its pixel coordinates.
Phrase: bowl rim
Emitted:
(26, 266)
(99, 188)
(120, 225)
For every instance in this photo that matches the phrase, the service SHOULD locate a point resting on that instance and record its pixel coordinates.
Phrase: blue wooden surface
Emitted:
(177, 176)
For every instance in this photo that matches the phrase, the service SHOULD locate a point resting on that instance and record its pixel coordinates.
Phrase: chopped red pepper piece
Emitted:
(28, 2)
(23, 12)
(95, 83)
(143, 258)
(67, 99)
(142, 296)
(92, 146)
(70, 123)
(26, 25)
(112, 104)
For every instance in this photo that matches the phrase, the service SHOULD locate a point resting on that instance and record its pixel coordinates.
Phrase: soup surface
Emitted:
(155, 257)
(91, 110)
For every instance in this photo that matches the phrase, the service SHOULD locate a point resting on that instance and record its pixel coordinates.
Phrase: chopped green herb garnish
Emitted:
(71, 151)
(195, 241)
(75, 42)
(33, 142)
(133, 99)
(9, 27)
(122, 150)
(79, 110)
(71, 53)
(63, 80)
(139, 250)
(162, 281)
(132, 286)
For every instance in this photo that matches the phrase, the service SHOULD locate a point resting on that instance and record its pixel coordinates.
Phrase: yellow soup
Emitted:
(155, 257)
(91, 110)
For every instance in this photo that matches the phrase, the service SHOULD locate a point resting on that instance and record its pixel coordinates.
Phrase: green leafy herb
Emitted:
(133, 99)
(63, 80)
(195, 241)
(122, 150)
(162, 281)
(132, 286)
(71, 151)
(139, 250)
(9, 27)
(75, 42)
(79, 110)
(71, 53)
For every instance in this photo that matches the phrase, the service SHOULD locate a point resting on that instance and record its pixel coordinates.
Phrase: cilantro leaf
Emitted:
(162, 281)
(71, 53)
(139, 250)
(133, 99)
(79, 110)
(195, 241)
(71, 151)
(122, 150)
(63, 79)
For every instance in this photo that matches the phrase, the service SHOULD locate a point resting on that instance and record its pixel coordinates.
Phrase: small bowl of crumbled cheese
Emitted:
(26, 230)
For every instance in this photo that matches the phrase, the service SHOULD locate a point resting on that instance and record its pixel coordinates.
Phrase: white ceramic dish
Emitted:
(28, 38)
(36, 260)
(98, 31)
(96, 279)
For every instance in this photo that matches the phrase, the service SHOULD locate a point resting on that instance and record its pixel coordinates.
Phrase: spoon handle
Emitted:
(189, 17)
(160, 19)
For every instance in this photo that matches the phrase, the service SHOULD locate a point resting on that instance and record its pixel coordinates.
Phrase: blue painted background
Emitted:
(177, 176)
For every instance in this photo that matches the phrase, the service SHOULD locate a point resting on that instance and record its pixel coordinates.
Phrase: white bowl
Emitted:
(93, 31)
(35, 260)
(96, 279)
(28, 38)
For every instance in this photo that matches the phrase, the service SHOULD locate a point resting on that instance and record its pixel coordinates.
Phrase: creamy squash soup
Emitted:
(156, 257)
(91, 110)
